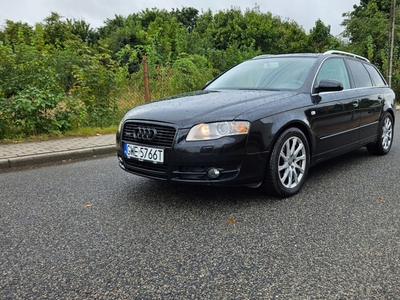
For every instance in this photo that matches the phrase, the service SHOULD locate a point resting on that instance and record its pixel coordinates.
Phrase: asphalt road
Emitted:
(88, 230)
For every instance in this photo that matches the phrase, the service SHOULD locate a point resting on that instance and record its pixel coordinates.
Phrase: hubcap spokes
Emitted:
(292, 162)
(387, 132)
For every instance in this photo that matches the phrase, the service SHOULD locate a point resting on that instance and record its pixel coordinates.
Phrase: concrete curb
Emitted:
(56, 157)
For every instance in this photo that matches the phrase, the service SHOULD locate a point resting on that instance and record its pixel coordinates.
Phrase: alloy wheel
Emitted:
(387, 132)
(292, 162)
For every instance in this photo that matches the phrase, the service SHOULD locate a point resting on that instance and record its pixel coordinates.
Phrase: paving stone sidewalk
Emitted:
(56, 150)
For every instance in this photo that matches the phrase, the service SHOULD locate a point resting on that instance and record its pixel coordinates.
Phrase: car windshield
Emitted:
(272, 73)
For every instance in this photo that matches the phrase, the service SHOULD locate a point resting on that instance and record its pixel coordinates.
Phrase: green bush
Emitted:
(97, 85)
(56, 91)
(30, 92)
(32, 110)
(189, 73)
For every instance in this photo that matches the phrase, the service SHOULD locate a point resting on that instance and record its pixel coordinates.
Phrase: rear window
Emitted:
(376, 76)
(360, 74)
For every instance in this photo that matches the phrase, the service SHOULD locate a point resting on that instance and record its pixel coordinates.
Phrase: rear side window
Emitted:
(376, 76)
(360, 74)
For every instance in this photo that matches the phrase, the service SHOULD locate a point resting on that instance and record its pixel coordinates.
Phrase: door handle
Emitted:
(356, 103)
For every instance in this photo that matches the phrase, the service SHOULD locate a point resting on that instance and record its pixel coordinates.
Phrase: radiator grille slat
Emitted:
(164, 137)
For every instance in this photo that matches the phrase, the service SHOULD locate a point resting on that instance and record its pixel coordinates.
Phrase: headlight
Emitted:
(212, 131)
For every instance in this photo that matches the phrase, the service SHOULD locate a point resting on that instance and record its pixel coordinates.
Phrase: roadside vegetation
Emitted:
(63, 77)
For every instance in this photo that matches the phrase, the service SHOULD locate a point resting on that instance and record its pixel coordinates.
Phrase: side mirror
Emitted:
(329, 85)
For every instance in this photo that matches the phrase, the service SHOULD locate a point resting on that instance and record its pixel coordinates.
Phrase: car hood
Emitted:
(207, 106)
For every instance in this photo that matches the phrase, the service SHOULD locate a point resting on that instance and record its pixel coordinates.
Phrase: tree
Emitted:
(367, 28)
(83, 30)
(291, 38)
(16, 33)
(121, 31)
(261, 30)
(320, 39)
(56, 31)
(167, 40)
(187, 16)
(148, 16)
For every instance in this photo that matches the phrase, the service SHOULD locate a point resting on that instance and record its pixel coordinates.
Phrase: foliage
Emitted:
(97, 85)
(234, 54)
(52, 81)
(61, 75)
(367, 30)
(320, 39)
(189, 73)
(375, 24)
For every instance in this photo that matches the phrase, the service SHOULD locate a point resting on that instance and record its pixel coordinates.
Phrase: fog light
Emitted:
(213, 173)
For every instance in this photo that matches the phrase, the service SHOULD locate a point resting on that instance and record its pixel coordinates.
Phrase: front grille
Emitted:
(164, 137)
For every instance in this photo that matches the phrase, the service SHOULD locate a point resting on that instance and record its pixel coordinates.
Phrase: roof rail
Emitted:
(346, 53)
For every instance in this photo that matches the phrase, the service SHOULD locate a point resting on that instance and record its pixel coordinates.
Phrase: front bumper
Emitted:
(193, 162)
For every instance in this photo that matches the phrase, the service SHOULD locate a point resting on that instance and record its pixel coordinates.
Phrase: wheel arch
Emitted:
(274, 182)
(299, 125)
(393, 114)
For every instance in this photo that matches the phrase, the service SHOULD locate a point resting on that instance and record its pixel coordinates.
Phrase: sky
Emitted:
(304, 12)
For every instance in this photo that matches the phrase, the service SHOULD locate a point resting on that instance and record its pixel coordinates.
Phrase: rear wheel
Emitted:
(384, 143)
(288, 165)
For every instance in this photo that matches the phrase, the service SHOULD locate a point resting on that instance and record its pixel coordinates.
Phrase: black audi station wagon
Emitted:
(262, 123)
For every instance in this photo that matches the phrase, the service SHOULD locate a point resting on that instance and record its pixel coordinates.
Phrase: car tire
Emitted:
(385, 136)
(288, 164)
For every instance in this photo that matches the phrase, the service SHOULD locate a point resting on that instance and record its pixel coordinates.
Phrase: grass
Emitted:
(90, 131)
(82, 131)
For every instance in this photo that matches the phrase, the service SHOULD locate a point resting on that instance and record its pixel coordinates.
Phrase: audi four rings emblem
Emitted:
(144, 133)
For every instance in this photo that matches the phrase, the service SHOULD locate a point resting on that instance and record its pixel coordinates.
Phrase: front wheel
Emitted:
(288, 165)
(384, 143)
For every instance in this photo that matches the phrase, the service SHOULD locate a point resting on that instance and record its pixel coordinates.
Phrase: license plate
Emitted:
(143, 153)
